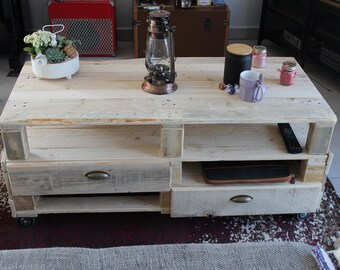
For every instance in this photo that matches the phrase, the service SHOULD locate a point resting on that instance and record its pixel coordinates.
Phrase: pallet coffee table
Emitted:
(99, 143)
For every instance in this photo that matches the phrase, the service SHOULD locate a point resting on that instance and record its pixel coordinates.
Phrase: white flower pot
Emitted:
(55, 71)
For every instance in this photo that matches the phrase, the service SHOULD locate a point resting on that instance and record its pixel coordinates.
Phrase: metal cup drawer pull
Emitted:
(97, 175)
(241, 198)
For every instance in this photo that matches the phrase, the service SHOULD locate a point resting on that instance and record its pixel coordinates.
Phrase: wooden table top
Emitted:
(108, 92)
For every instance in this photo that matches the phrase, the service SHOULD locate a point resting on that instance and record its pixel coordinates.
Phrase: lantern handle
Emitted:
(172, 53)
(54, 35)
(55, 25)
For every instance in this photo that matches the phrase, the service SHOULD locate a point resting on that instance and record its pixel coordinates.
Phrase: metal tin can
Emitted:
(259, 56)
(238, 58)
(287, 73)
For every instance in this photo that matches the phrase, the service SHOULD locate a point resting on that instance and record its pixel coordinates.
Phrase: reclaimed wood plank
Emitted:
(171, 143)
(104, 93)
(208, 142)
(15, 142)
(319, 138)
(53, 178)
(270, 199)
(55, 205)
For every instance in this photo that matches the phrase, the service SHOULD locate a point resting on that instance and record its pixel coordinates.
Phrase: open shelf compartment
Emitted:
(211, 142)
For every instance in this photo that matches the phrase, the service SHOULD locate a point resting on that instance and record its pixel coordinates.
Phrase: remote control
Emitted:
(292, 144)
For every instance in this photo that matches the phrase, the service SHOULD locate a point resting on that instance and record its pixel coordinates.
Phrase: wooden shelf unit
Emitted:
(291, 21)
(98, 143)
(324, 38)
(307, 29)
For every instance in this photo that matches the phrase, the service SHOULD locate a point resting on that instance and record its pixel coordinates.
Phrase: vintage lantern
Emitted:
(160, 55)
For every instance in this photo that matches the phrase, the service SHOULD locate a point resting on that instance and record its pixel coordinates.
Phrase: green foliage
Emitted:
(31, 51)
(55, 55)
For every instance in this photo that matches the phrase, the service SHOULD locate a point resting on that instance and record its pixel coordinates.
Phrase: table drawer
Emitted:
(245, 200)
(52, 178)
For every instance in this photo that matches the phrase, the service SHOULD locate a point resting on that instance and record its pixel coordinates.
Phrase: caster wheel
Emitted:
(26, 221)
(301, 216)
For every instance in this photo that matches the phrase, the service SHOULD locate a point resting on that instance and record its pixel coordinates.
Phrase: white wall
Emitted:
(39, 17)
(245, 16)
(245, 13)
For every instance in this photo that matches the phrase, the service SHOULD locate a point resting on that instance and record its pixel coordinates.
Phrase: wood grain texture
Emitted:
(313, 169)
(319, 138)
(171, 144)
(15, 142)
(51, 178)
(101, 121)
(104, 204)
(24, 203)
(199, 142)
(103, 92)
(266, 199)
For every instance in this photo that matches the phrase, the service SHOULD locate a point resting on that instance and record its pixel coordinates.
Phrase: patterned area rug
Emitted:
(125, 229)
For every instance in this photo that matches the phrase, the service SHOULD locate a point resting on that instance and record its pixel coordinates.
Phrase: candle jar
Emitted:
(259, 56)
(287, 73)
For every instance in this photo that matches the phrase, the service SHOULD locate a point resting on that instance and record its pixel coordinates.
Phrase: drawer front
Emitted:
(255, 200)
(52, 178)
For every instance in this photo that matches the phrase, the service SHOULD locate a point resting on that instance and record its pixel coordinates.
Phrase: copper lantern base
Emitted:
(162, 89)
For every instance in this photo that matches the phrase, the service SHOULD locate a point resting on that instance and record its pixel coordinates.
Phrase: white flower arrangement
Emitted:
(50, 47)
(52, 56)
(40, 40)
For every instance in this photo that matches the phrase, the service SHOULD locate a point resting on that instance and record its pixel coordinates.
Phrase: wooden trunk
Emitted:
(200, 30)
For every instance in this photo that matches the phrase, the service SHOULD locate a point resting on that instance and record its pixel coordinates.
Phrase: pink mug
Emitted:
(251, 86)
